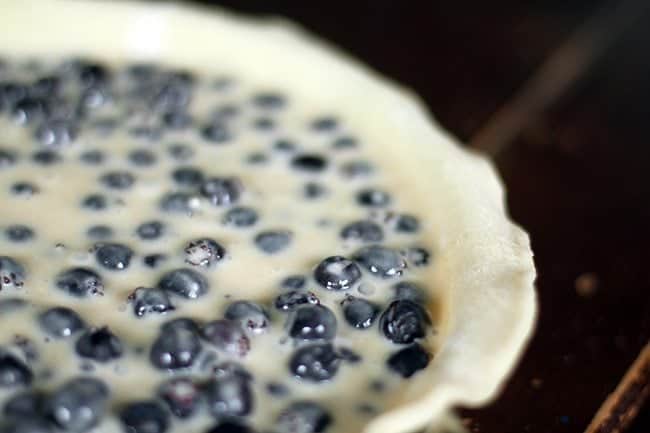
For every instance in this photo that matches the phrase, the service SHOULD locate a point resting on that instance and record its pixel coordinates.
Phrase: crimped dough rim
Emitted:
(490, 304)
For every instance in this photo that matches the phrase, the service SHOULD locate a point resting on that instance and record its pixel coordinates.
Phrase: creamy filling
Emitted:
(136, 195)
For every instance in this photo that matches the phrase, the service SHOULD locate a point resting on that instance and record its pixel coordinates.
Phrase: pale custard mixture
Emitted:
(186, 253)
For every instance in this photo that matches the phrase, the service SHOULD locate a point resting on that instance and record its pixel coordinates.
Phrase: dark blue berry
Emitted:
(182, 396)
(114, 256)
(177, 120)
(225, 112)
(153, 260)
(93, 97)
(25, 405)
(187, 176)
(230, 427)
(221, 191)
(363, 231)
(26, 189)
(28, 109)
(323, 124)
(273, 241)
(216, 132)
(148, 300)
(80, 282)
(313, 190)
(203, 252)
(252, 317)
(185, 283)
(337, 273)
(289, 301)
(344, 143)
(27, 425)
(256, 158)
(315, 363)
(381, 261)
(407, 224)
(172, 96)
(142, 158)
(13, 371)
(7, 158)
(229, 396)
(263, 123)
(19, 233)
(284, 145)
(358, 312)
(46, 86)
(177, 346)
(180, 152)
(91, 74)
(355, 169)
(312, 322)
(269, 100)
(277, 389)
(56, 133)
(99, 344)
(309, 163)
(100, 232)
(141, 71)
(146, 133)
(404, 321)
(178, 202)
(409, 360)
(303, 417)
(46, 157)
(92, 157)
(10, 92)
(78, 405)
(226, 336)
(150, 230)
(119, 179)
(294, 282)
(60, 322)
(144, 417)
(240, 217)
(95, 202)
(372, 197)
(12, 273)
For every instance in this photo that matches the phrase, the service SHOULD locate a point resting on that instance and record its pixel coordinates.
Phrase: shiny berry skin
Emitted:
(359, 313)
(144, 417)
(13, 371)
(100, 345)
(315, 363)
(79, 404)
(404, 321)
(381, 261)
(337, 273)
(60, 322)
(408, 361)
(80, 282)
(303, 417)
(312, 322)
(177, 345)
(185, 283)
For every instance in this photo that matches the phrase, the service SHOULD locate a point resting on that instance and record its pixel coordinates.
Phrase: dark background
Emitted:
(576, 173)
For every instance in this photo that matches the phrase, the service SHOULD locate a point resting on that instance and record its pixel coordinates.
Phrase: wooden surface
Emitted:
(577, 175)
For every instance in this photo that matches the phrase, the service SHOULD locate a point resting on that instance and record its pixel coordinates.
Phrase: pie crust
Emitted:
(484, 269)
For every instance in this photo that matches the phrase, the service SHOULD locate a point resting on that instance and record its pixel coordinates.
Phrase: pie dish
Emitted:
(474, 265)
